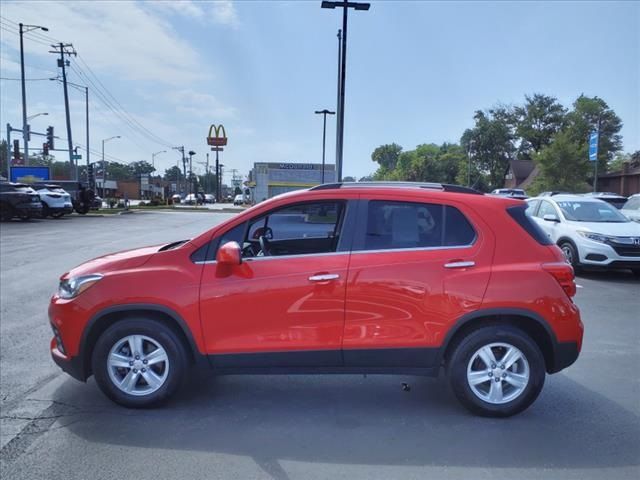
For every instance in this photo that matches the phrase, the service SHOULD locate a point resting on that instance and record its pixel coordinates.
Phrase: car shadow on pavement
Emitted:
(609, 276)
(363, 420)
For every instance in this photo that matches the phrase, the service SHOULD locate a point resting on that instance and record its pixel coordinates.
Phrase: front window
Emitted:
(595, 211)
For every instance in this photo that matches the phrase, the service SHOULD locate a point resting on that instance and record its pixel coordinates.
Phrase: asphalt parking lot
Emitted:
(584, 425)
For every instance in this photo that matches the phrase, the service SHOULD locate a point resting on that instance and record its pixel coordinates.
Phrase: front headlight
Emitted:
(596, 237)
(72, 287)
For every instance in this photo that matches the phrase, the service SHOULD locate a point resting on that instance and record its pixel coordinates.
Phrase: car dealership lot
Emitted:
(585, 424)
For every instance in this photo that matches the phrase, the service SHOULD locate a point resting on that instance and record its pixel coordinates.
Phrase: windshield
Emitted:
(632, 204)
(578, 211)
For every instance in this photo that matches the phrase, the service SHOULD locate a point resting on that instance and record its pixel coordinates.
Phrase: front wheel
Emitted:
(571, 256)
(139, 362)
(496, 371)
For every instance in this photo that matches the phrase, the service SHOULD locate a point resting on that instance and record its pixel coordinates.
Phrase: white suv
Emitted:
(55, 200)
(590, 232)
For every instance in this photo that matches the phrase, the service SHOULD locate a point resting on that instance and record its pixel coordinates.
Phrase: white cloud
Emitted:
(224, 13)
(121, 37)
(198, 104)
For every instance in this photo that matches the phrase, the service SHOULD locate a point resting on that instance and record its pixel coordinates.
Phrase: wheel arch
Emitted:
(529, 322)
(101, 321)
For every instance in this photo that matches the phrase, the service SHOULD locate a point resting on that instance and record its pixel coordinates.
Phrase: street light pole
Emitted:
(25, 127)
(153, 158)
(346, 5)
(324, 113)
(104, 164)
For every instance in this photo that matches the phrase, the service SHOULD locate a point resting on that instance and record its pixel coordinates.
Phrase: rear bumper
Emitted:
(565, 354)
(28, 209)
(67, 209)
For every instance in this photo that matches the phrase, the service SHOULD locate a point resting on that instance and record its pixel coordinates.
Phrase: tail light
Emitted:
(563, 273)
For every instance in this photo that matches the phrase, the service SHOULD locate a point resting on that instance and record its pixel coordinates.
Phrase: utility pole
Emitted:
(206, 174)
(346, 5)
(184, 165)
(67, 49)
(335, 178)
(25, 127)
(86, 111)
(191, 182)
(324, 113)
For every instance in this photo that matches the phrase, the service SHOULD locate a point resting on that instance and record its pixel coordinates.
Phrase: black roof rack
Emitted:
(435, 186)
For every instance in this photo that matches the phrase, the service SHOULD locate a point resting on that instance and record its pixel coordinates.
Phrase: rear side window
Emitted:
(519, 214)
(393, 225)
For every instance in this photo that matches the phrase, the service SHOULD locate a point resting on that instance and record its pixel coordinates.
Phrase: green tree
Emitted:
(491, 145)
(387, 156)
(584, 118)
(141, 167)
(172, 174)
(563, 166)
(537, 121)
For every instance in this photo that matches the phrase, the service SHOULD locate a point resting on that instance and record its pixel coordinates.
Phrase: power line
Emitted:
(26, 79)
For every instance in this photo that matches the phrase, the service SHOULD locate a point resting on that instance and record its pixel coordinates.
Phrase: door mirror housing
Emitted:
(229, 254)
(550, 217)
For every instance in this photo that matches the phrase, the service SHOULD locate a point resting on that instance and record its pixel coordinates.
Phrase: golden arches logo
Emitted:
(217, 140)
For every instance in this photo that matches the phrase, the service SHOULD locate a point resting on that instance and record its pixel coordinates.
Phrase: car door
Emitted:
(283, 306)
(415, 268)
(550, 227)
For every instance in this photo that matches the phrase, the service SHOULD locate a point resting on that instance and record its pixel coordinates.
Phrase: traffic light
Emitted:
(50, 138)
(45, 149)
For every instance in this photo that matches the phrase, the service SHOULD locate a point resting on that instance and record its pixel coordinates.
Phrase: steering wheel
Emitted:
(264, 246)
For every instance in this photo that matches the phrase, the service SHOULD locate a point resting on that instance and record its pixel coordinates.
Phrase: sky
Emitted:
(416, 72)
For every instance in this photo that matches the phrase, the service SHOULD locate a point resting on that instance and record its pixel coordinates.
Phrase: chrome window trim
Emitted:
(387, 250)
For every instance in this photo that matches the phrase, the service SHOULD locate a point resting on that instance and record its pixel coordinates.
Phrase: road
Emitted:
(584, 425)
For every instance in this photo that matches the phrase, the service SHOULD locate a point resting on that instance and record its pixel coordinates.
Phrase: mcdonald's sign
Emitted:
(215, 139)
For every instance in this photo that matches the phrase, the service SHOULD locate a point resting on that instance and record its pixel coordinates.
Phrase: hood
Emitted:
(114, 261)
(622, 229)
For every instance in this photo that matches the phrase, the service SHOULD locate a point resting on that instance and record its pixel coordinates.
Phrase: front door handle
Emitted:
(459, 264)
(324, 277)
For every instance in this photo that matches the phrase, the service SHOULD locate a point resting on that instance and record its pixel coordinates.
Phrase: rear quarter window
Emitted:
(519, 214)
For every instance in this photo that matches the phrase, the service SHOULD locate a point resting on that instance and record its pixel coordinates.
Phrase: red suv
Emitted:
(341, 278)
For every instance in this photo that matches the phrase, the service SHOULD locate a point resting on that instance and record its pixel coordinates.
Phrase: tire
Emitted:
(156, 338)
(45, 210)
(636, 272)
(570, 253)
(57, 214)
(466, 363)
(6, 212)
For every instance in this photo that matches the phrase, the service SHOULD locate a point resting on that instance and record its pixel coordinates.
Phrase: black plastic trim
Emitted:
(136, 307)
(74, 366)
(565, 353)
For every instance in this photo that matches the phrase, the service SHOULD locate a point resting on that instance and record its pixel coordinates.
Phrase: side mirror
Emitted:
(550, 217)
(229, 254)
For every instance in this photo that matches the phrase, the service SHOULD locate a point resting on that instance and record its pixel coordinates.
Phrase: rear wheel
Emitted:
(496, 371)
(45, 210)
(139, 362)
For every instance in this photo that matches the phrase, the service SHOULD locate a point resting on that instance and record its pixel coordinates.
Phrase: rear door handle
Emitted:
(459, 264)
(325, 277)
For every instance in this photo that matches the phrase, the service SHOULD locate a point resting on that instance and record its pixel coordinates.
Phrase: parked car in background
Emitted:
(334, 279)
(97, 203)
(19, 200)
(209, 198)
(516, 193)
(176, 198)
(56, 202)
(190, 199)
(589, 231)
(613, 198)
(238, 199)
(552, 193)
(631, 209)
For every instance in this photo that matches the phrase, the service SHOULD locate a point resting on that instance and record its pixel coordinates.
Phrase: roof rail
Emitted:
(435, 186)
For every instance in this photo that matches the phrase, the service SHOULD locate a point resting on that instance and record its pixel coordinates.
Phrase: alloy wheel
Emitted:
(498, 373)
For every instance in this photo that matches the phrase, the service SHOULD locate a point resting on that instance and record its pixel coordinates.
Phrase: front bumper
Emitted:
(603, 255)
(71, 365)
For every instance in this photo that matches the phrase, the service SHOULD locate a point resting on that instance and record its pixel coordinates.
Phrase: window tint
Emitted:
(518, 213)
(392, 225)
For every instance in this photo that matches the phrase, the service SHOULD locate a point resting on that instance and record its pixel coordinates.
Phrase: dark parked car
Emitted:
(516, 193)
(18, 200)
